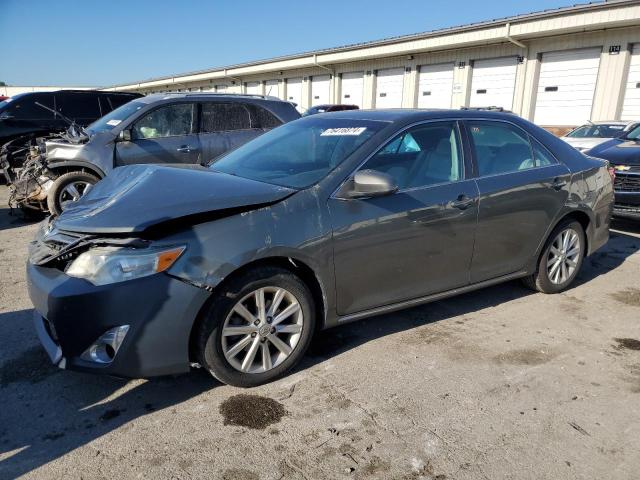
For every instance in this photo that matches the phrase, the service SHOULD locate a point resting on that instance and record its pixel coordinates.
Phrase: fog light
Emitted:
(105, 348)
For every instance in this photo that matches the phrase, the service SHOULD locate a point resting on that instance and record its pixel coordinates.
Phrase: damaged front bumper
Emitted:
(72, 314)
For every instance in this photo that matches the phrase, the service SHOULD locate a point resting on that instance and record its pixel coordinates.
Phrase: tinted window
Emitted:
(115, 118)
(424, 155)
(25, 108)
(169, 121)
(500, 148)
(262, 118)
(78, 106)
(298, 154)
(542, 155)
(224, 117)
(117, 100)
(597, 131)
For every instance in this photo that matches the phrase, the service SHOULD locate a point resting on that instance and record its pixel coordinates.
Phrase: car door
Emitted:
(522, 188)
(220, 123)
(417, 241)
(23, 116)
(167, 134)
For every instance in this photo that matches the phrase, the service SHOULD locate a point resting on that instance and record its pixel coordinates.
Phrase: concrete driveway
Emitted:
(497, 384)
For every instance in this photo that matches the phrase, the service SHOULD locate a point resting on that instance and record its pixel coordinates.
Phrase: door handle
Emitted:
(462, 202)
(184, 149)
(558, 184)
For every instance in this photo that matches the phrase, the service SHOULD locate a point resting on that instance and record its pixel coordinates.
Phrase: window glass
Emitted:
(424, 155)
(117, 100)
(500, 148)
(542, 155)
(115, 118)
(223, 117)
(597, 131)
(78, 106)
(25, 108)
(298, 154)
(262, 118)
(169, 121)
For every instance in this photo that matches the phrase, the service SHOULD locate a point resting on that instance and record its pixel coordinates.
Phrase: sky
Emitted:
(106, 42)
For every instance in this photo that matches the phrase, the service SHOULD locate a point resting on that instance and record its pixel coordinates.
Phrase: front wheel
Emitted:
(67, 189)
(257, 327)
(561, 259)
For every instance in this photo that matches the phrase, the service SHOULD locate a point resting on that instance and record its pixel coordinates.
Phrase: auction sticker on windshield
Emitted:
(345, 131)
(114, 123)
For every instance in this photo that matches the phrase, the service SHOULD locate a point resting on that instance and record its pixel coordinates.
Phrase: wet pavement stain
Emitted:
(627, 343)
(251, 411)
(629, 296)
(32, 365)
(525, 357)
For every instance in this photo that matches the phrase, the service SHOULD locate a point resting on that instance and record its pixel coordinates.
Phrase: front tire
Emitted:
(69, 188)
(561, 259)
(257, 327)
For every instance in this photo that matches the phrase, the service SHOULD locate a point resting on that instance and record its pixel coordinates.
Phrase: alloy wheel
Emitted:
(563, 257)
(262, 330)
(73, 192)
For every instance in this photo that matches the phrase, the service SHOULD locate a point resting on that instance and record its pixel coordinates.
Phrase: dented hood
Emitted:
(133, 199)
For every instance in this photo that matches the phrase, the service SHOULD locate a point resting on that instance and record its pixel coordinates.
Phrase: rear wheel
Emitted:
(257, 328)
(561, 259)
(67, 189)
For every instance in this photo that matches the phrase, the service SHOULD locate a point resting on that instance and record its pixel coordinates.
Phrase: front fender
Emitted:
(55, 164)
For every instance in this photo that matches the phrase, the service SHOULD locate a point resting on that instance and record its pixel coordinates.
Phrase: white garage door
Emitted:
(493, 82)
(253, 88)
(352, 87)
(631, 105)
(435, 86)
(389, 85)
(294, 91)
(320, 89)
(272, 88)
(566, 86)
(222, 88)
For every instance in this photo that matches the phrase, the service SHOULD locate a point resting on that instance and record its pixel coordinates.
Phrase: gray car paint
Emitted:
(336, 241)
(100, 153)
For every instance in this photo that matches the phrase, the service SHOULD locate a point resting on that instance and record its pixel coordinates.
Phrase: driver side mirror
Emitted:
(370, 183)
(125, 135)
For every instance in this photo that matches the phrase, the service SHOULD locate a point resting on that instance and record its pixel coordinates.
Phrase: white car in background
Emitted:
(592, 134)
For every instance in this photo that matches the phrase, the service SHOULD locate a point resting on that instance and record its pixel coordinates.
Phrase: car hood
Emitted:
(618, 152)
(584, 143)
(133, 199)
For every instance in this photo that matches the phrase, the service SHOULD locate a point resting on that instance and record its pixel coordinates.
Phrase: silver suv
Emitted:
(170, 128)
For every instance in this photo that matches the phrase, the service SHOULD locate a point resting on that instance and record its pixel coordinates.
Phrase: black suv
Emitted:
(20, 115)
(187, 128)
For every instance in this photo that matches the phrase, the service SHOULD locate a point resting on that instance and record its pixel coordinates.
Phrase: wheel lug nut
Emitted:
(253, 334)
(273, 330)
(257, 322)
(269, 319)
(263, 339)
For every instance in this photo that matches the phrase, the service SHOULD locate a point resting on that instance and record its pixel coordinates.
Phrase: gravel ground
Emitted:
(497, 384)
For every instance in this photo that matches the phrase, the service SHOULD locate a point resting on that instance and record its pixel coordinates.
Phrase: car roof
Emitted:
(416, 114)
(155, 97)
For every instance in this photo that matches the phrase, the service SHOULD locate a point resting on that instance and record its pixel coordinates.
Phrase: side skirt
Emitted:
(428, 299)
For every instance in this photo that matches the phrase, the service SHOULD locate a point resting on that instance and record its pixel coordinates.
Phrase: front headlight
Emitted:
(105, 265)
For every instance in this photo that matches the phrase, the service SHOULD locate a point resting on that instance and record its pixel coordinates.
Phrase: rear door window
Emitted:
(224, 117)
(25, 108)
(168, 121)
(500, 148)
(262, 118)
(78, 106)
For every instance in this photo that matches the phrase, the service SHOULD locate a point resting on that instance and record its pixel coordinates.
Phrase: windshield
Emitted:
(597, 131)
(634, 134)
(115, 118)
(300, 153)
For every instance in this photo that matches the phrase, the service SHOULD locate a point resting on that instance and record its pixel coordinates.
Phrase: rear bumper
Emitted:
(72, 313)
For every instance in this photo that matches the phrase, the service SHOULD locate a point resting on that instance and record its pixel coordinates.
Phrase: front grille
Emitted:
(627, 183)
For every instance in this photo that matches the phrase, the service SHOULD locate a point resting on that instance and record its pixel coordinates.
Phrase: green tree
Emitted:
(2, 84)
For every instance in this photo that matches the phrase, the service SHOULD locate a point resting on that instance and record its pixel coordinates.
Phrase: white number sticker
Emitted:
(346, 131)
(114, 123)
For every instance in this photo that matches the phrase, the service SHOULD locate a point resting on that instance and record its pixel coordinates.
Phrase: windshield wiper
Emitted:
(75, 133)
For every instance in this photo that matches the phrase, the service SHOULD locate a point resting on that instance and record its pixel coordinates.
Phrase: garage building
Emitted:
(559, 68)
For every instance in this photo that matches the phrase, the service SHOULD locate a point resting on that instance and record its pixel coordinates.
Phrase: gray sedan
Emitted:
(322, 221)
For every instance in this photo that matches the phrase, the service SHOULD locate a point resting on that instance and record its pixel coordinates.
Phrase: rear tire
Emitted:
(561, 259)
(245, 345)
(69, 188)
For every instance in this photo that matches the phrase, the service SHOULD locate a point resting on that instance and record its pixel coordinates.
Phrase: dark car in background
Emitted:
(176, 128)
(623, 154)
(21, 116)
(329, 108)
(322, 221)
